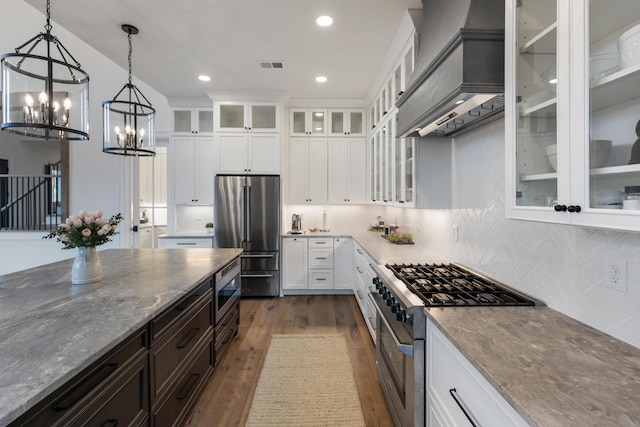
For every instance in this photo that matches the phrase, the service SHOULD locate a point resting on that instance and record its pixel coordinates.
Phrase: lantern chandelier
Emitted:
(127, 123)
(43, 96)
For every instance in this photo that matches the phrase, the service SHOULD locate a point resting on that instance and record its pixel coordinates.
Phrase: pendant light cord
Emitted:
(130, 51)
(48, 25)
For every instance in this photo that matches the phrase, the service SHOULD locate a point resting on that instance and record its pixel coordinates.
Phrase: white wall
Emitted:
(97, 180)
(562, 265)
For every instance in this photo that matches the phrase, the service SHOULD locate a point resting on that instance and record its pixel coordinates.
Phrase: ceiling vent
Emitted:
(276, 65)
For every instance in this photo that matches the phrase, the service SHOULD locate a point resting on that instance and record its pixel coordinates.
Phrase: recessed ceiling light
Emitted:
(324, 21)
(321, 79)
(204, 78)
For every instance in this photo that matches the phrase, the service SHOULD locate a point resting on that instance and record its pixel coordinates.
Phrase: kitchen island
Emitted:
(51, 330)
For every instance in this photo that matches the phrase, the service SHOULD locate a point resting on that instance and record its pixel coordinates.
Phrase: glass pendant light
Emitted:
(127, 120)
(44, 96)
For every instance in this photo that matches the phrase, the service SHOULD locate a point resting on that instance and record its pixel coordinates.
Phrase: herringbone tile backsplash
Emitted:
(562, 265)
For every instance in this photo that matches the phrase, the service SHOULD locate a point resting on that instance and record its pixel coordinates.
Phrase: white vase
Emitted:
(87, 267)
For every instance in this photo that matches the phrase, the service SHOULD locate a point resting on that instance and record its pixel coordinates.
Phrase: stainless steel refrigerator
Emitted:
(247, 216)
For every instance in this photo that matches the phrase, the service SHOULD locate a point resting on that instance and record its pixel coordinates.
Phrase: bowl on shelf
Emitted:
(549, 81)
(599, 150)
(629, 47)
(603, 64)
(607, 199)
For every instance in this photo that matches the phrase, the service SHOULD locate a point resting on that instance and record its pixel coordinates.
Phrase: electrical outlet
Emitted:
(617, 275)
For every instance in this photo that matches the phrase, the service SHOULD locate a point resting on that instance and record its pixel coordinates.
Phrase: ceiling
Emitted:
(227, 39)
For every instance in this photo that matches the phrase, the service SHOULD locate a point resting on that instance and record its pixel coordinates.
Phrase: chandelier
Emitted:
(45, 93)
(127, 120)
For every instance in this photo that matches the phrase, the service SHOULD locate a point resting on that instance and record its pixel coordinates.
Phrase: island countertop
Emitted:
(50, 329)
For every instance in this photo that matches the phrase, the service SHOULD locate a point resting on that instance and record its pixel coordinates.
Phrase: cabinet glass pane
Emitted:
(318, 122)
(408, 66)
(397, 77)
(205, 121)
(356, 119)
(614, 78)
(337, 122)
(408, 169)
(536, 96)
(182, 121)
(372, 172)
(390, 97)
(399, 162)
(378, 171)
(373, 116)
(299, 122)
(232, 116)
(263, 116)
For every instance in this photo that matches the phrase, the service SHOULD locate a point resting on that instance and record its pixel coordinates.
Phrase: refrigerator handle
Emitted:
(247, 213)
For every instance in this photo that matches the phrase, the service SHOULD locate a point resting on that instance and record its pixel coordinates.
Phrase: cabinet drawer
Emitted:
(321, 243)
(321, 258)
(185, 243)
(69, 401)
(169, 353)
(175, 406)
(225, 331)
(162, 323)
(451, 376)
(125, 402)
(321, 279)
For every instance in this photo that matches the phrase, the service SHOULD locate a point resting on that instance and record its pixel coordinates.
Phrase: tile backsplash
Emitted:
(562, 265)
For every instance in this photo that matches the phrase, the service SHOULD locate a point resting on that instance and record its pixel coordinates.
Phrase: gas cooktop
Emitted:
(453, 285)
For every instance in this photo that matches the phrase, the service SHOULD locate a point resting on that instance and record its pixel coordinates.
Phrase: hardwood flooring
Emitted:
(226, 398)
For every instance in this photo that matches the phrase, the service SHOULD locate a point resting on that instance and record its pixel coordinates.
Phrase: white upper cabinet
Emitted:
(349, 122)
(234, 116)
(347, 171)
(308, 122)
(308, 171)
(248, 153)
(187, 121)
(572, 110)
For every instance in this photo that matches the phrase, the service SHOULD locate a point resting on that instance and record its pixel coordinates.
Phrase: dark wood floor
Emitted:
(226, 399)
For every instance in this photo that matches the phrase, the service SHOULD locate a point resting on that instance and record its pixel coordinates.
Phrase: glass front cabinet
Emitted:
(572, 86)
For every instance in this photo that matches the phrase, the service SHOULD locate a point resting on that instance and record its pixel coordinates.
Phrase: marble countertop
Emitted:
(553, 369)
(50, 330)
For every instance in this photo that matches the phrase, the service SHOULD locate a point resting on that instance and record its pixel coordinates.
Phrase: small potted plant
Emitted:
(209, 227)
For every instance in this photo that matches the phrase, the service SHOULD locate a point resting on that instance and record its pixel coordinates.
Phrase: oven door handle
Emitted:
(406, 349)
(256, 276)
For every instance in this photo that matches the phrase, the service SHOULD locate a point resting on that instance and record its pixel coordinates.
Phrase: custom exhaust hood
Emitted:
(458, 80)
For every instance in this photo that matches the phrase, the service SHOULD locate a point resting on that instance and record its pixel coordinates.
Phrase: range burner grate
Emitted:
(452, 285)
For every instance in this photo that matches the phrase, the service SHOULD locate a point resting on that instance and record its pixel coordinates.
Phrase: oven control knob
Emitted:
(401, 315)
(386, 295)
(395, 308)
(391, 301)
(382, 290)
(377, 282)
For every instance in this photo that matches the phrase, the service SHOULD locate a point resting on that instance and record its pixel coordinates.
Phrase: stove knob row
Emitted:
(377, 282)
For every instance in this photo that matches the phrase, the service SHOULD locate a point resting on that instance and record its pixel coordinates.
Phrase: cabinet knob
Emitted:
(560, 208)
(575, 208)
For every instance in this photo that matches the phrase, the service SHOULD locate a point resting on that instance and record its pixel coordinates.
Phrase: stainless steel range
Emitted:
(403, 291)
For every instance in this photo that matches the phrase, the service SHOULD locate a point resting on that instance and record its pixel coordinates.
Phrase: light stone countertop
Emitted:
(553, 369)
(50, 330)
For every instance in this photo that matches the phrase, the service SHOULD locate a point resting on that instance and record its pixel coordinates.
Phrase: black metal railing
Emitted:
(30, 202)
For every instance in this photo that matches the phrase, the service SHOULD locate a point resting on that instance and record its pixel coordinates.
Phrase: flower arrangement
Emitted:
(85, 229)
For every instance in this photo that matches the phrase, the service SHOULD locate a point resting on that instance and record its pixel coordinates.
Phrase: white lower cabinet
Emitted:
(342, 263)
(317, 264)
(295, 262)
(457, 392)
(363, 285)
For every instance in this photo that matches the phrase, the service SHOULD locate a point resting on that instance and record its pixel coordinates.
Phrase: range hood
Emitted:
(458, 80)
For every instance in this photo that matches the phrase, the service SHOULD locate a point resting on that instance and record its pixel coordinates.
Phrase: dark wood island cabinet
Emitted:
(160, 349)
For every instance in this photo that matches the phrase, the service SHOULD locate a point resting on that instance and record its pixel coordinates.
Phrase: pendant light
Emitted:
(127, 120)
(44, 96)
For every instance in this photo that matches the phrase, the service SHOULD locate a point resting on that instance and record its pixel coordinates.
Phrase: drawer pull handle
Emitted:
(453, 393)
(359, 294)
(111, 423)
(186, 243)
(320, 243)
(188, 387)
(321, 278)
(321, 257)
(359, 271)
(359, 251)
(191, 335)
(372, 322)
(81, 390)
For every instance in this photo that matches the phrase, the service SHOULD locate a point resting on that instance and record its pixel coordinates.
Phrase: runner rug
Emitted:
(306, 380)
